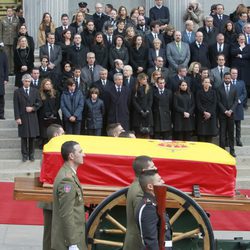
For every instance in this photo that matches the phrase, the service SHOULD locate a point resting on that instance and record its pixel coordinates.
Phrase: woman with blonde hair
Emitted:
(194, 74)
(79, 22)
(23, 60)
(48, 112)
(153, 79)
(46, 26)
(142, 100)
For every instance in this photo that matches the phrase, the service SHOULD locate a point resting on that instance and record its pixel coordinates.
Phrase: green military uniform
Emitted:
(134, 196)
(68, 220)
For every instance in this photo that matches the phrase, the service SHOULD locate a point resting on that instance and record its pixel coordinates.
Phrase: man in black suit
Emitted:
(117, 102)
(209, 31)
(35, 74)
(26, 104)
(53, 52)
(80, 84)
(159, 62)
(227, 102)
(220, 18)
(99, 17)
(128, 79)
(199, 51)
(159, 13)
(118, 69)
(142, 28)
(173, 83)
(103, 83)
(77, 53)
(65, 26)
(220, 47)
(155, 33)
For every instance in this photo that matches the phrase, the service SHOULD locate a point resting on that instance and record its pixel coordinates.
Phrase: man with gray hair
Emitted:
(26, 104)
(99, 17)
(128, 79)
(117, 102)
(209, 31)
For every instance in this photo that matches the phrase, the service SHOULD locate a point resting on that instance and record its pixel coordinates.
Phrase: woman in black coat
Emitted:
(206, 101)
(195, 76)
(240, 59)
(118, 51)
(23, 60)
(48, 112)
(229, 33)
(183, 110)
(101, 50)
(138, 55)
(23, 32)
(88, 34)
(142, 100)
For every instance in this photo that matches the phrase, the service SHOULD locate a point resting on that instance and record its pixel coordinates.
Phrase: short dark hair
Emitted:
(153, 24)
(146, 178)
(64, 15)
(110, 6)
(68, 148)
(70, 81)
(94, 90)
(52, 129)
(140, 163)
(227, 74)
(111, 127)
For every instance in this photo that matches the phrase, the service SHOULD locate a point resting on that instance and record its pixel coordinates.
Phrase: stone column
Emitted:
(34, 9)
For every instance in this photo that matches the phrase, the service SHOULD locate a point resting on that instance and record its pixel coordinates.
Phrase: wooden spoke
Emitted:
(108, 243)
(116, 223)
(176, 215)
(111, 231)
(186, 235)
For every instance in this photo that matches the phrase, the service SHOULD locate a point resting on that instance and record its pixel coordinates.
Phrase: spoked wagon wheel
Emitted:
(106, 229)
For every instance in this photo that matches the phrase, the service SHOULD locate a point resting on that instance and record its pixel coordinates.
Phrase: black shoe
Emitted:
(2, 118)
(232, 153)
(24, 159)
(32, 158)
(239, 144)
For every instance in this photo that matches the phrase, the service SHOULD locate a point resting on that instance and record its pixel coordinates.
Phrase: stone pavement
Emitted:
(13, 237)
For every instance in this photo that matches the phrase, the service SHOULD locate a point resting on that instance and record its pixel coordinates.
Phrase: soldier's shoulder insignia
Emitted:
(67, 188)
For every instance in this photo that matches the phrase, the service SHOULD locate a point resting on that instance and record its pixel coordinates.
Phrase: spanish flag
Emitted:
(108, 162)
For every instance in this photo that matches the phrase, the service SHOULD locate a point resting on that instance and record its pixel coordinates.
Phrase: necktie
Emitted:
(248, 39)
(234, 82)
(161, 92)
(178, 46)
(209, 29)
(221, 73)
(119, 89)
(189, 36)
(91, 73)
(220, 48)
(227, 90)
(103, 82)
(51, 53)
(199, 45)
(155, 35)
(27, 91)
(110, 40)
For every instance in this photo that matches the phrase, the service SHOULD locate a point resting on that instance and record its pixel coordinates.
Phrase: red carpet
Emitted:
(27, 212)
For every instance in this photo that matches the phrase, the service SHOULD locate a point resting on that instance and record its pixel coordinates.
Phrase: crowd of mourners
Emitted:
(134, 69)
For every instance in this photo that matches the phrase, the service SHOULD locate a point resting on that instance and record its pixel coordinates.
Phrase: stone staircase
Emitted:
(10, 155)
(11, 164)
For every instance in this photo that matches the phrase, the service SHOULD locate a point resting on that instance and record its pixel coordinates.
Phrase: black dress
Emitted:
(206, 101)
(48, 114)
(22, 57)
(101, 54)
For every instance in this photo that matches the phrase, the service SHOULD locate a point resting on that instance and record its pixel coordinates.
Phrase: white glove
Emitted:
(1, 44)
(73, 247)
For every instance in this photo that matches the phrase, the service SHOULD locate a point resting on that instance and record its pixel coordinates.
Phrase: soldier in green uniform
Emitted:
(134, 197)
(68, 220)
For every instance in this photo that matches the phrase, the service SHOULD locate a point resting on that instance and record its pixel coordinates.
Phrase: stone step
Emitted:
(10, 166)
(243, 183)
(243, 160)
(9, 113)
(8, 133)
(243, 171)
(15, 153)
(242, 151)
(9, 177)
(8, 123)
(10, 143)
(9, 104)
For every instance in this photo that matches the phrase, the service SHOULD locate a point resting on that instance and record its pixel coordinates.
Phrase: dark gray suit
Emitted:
(177, 57)
(55, 57)
(216, 77)
(227, 102)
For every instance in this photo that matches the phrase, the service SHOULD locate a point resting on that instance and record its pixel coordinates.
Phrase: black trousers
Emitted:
(237, 130)
(2, 106)
(47, 218)
(28, 147)
(227, 131)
